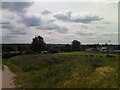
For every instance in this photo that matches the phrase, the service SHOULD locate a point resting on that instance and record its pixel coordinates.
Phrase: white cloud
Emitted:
(61, 26)
(81, 18)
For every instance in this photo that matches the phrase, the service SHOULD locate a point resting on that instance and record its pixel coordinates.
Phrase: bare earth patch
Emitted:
(7, 78)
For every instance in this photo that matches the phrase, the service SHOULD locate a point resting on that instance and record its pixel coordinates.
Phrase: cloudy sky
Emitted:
(60, 22)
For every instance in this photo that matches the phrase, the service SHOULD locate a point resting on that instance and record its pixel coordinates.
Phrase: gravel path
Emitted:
(7, 78)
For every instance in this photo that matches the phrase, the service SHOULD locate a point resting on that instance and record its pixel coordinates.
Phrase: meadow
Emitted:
(65, 70)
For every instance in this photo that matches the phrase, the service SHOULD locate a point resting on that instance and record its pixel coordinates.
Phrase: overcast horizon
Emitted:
(60, 22)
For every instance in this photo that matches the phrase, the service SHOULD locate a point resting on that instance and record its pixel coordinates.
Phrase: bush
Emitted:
(8, 55)
(2, 67)
(53, 51)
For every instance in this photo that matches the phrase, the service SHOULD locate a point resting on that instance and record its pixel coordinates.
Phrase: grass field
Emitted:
(65, 70)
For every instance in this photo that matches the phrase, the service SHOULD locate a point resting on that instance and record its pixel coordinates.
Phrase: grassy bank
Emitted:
(69, 70)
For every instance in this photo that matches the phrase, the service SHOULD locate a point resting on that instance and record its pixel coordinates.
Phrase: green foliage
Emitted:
(65, 70)
(38, 44)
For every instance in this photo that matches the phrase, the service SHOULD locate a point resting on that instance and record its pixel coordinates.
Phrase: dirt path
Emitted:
(7, 78)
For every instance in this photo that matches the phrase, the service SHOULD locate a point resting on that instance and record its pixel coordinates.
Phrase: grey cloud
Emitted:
(45, 12)
(42, 24)
(52, 26)
(61, 29)
(110, 34)
(49, 33)
(13, 29)
(8, 38)
(4, 22)
(7, 26)
(99, 27)
(83, 26)
(16, 6)
(64, 16)
(0, 5)
(31, 21)
(51, 20)
(86, 19)
(18, 33)
(85, 33)
(106, 22)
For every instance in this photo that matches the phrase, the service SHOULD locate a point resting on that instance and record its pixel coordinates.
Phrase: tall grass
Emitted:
(65, 70)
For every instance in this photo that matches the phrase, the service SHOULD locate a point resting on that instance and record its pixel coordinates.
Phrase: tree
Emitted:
(76, 45)
(67, 48)
(38, 44)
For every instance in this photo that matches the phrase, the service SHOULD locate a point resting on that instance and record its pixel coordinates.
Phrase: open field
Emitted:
(65, 70)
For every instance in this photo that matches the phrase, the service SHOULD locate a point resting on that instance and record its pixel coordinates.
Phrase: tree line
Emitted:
(38, 45)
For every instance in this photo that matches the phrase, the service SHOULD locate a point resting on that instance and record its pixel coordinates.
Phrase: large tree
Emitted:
(76, 45)
(38, 44)
(67, 48)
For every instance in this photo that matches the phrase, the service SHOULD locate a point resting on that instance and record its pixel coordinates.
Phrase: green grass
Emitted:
(65, 70)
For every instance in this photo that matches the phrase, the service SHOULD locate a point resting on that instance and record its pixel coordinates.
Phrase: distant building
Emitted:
(104, 49)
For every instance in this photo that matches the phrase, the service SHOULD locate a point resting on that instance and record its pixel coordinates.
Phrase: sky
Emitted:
(89, 22)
